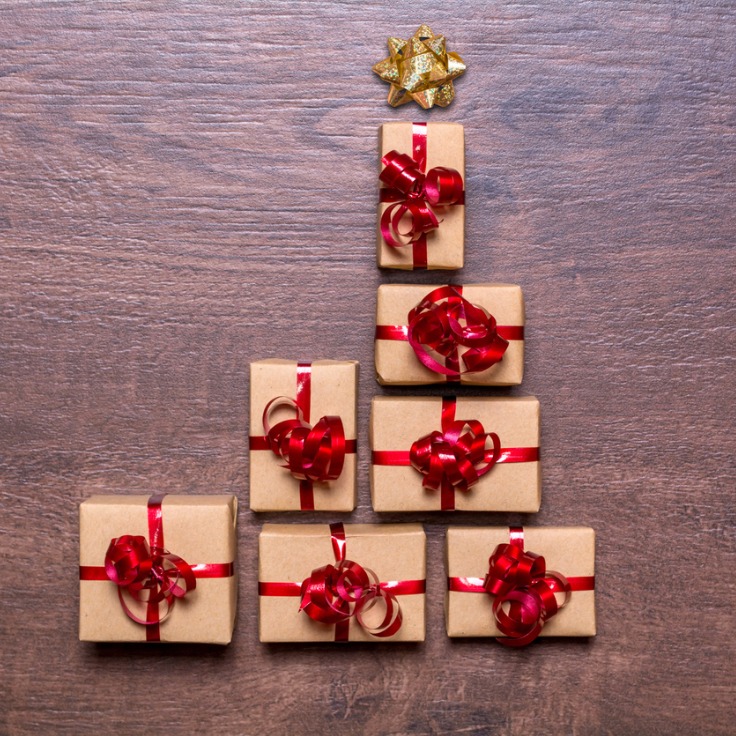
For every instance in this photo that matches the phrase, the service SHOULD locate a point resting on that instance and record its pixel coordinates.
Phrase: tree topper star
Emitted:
(420, 69)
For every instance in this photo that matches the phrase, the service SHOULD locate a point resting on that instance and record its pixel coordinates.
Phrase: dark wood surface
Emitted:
(186, 187)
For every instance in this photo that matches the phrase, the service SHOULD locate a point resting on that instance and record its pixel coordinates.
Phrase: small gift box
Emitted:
(158, 568)
(464, 334)
(519, 583)
(421, 211)
(352, 582)
(302, 435)
(445, 453)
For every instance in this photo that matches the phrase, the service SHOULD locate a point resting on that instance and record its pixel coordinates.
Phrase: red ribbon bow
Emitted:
(334, 594)
(310, 453)
(525, 593)
(457, 456)
(414, 193)
(147, 578)
(443, 322)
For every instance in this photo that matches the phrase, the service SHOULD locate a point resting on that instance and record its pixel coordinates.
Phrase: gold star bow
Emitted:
(420, 69)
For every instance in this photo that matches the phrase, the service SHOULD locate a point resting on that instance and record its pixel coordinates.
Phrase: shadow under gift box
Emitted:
(397, 422)
(397, 363)
(199, 529)
(566, 550)
(333, 389)
(288, 553)
(445, 147)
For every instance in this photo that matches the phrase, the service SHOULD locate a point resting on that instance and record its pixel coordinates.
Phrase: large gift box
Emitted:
(302, 435)
(351, 582)
(472, 334)
(444, 453)
(421, 211)
(521, 582)
(157, 568)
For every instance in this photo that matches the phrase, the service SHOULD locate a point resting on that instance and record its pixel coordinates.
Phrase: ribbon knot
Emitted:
(525, 593)
(333, 594)
(147, 578)
(413, 194)
(443, 323)
(458, 456)
(313, 453)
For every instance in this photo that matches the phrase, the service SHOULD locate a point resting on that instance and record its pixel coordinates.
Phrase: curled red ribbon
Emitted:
(148, 579)
(445, 322)
(333, 594)
(413, 194)
(315, 453)
(457, 456)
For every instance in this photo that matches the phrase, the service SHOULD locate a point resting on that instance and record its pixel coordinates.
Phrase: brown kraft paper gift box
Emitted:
(199, 529)
(288, 553)
(398, 364)
(332, 391)
(445, 147)
(397, 422)
(567, 550)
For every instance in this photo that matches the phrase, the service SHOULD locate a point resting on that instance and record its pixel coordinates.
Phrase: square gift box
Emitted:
(294, 559)
(569, 551)
(422, 164)
(188, 541)
(302, 435)
(467, 453)
(472, 334)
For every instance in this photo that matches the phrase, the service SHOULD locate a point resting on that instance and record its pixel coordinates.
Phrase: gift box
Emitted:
(519, 583)
(302, 435)
(157, 568)
(444, 453)
(421, 211)
(470, 334)
(352, 582)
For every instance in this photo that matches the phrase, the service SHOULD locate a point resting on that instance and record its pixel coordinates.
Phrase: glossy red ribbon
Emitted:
(525, 593)
(310, 453)
(457, 457)
(413, 194)
(443, 324)
(334, 594)
(150, 578)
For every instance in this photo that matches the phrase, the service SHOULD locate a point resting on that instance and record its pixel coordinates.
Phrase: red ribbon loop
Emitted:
(147, 579)
(443, 322)
(413, 194)
(525, 593)
(310, 453)
(458, 456)
(333, 594)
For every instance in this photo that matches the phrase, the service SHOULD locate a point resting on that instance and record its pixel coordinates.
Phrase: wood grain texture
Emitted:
(189, 186)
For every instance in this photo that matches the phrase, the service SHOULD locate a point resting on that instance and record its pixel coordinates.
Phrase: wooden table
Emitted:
(190, 186)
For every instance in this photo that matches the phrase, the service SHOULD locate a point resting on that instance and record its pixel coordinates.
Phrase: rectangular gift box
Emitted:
(442, 248)
(323, 387)
(199, 529)
(566, 550)
(398, 364)
(288, 553)
(514, 483)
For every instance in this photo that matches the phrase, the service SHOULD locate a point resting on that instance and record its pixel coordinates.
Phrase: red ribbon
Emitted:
(310, 453)
(442, 324)
(525, 593)
(413, 193)
(457, 457)
(149, 578)
(333, 594)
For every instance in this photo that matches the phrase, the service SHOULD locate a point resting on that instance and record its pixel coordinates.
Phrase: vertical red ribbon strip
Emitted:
(419, 153)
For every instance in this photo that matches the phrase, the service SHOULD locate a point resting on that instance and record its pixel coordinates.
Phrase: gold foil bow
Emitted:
(420, 69)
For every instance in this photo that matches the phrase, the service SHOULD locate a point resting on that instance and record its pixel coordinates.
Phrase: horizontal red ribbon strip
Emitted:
(475, 585)
(203, 571)
(258, 442)
(400, 458)
(289, 590)
(401, 332)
